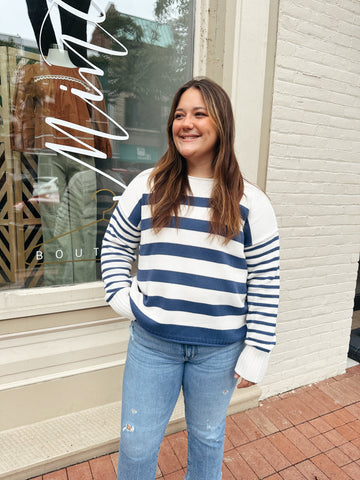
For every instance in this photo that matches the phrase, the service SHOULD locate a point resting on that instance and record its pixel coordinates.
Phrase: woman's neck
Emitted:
(200, 171)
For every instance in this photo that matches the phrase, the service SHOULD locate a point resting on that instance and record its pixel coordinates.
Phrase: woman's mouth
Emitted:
(189, 138)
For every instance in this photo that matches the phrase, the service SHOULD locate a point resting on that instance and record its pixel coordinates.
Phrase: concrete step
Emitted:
(39, 448)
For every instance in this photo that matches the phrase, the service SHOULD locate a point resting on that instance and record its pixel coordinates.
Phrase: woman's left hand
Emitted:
(243, 383)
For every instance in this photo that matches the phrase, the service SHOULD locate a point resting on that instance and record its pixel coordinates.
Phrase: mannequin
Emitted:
(44, 90)
(66, 244)
(59, 57)
(70, 25)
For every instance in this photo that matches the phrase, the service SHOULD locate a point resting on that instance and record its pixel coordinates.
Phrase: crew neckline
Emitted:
(206, 179)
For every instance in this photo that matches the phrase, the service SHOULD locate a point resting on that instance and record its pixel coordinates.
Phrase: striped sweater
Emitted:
(190, 287)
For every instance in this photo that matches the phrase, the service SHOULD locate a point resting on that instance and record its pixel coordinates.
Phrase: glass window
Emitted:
(85, 90)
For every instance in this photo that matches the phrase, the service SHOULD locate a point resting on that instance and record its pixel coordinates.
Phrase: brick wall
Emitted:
(314, 184)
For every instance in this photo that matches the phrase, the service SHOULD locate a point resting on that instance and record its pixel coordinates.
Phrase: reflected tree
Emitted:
(178, 13)
(158, 61)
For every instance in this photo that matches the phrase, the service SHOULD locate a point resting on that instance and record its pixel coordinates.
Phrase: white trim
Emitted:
(59, 375)
(39, 301)
(41, 355)
(249, 61)
(62, 328)
(201, 35)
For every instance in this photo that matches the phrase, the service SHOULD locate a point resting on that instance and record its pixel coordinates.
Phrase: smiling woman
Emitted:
(195, 134)
(203, 303)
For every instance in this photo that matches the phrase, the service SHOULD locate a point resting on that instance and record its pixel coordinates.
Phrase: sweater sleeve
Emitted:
(263, 284)
(119, 248)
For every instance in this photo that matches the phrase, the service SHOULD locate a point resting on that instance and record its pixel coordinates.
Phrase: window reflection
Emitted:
(54, 210)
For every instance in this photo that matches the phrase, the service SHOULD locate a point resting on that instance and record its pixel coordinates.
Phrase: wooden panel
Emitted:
(20, 224)
(7, 218)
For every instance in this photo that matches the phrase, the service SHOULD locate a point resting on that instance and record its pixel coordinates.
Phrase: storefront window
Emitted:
(85, 90)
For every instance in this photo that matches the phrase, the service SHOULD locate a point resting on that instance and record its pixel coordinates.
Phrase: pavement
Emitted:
(311, 433)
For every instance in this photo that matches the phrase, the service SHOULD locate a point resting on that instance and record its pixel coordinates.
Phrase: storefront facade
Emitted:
(63, 349)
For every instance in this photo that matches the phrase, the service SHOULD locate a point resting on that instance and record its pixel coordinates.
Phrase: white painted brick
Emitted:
(316, 67)
(316, 92)
(295, 263)
(334, 9)
(313, 182)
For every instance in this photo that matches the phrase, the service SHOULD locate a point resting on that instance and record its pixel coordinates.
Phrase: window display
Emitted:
(85, 91)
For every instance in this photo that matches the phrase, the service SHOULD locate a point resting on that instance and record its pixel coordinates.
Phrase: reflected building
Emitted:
(136, 91)
(138, 88)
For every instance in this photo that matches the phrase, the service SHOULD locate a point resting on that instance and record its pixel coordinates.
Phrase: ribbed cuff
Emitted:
(252, 364)
(121, 303)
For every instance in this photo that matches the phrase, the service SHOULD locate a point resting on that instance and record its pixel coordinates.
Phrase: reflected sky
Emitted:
(14, 19)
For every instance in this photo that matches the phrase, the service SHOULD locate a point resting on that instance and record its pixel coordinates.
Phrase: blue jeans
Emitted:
(154, 373)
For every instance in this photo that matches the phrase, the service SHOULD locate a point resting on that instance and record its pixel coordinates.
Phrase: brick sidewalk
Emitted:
(311, 433)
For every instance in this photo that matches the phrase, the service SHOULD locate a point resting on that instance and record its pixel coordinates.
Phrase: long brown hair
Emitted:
(169, 182)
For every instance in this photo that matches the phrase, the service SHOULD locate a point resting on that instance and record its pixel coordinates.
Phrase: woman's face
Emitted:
(194, 133)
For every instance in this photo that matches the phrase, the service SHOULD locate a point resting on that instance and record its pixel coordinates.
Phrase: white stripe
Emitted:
(191, 294)
(193, 266)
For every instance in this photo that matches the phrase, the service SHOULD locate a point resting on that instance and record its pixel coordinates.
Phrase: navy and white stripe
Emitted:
(263, 288)
(190, 287)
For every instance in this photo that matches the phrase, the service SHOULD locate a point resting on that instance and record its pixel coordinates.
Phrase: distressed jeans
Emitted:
(155, 372)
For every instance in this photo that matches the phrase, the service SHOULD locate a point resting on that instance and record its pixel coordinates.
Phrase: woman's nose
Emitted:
(188, 122)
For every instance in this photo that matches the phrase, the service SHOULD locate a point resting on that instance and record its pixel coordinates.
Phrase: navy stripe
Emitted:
(192, 280)
(244, 213)
(116, 264)
(257, 340)
(255, 265)
(122, 271)
(275, 287)
(111, 296)
(262, 245)
(262, 314)
(271, 305)
(189, 251)
(184, 224)
(247, 234)
(267, 252)
(261, 332)
(117, 247)
(136, 233)
(262, 349)
(190, 224)
(188, 335)
(174, 305)
(277, 277)
(112, 293)
(112, 233)
(268, 270)
(115, 260)
(115, 283)
(262, 295)
(118, 236)
(202, 202)
(259, 322)
(135, 215)
(145, 199)
(112, 253)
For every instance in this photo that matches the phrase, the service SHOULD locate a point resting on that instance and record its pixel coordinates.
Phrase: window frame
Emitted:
(226, 65)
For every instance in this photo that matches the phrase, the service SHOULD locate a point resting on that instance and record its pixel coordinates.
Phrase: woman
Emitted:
(204, 300)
